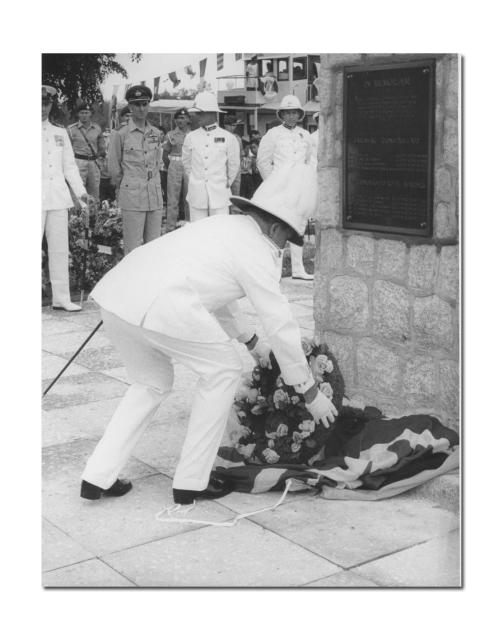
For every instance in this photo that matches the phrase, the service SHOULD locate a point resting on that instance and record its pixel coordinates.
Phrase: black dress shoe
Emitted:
(218, 487)
(92, 492)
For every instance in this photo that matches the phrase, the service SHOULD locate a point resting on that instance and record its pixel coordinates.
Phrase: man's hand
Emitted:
(322, 409)
(87, 198)
(260, 351)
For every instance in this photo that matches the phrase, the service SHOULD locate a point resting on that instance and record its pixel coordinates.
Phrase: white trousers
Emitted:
(198, 214)
(55, 225)
(148, 356)
(297, 263)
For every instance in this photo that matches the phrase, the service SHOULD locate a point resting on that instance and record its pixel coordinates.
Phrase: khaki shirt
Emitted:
(174, 141)
(134, 161)
(93, 133)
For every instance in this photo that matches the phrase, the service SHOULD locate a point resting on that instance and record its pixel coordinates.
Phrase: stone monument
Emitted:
(387, 296)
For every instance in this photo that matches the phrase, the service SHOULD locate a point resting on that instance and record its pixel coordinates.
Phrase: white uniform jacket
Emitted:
(211, 161)
(280, 146)
(186, 285)
(314, 148)
(58, 165)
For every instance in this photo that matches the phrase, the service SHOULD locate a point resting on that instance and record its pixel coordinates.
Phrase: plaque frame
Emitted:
(426, 226)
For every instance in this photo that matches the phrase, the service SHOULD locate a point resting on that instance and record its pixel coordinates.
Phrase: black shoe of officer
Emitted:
(92, 492)
(218, 487)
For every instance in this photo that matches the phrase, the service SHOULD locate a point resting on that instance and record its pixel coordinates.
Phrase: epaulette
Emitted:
(72, 125)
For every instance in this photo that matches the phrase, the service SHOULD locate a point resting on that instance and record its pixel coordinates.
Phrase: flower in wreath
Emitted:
(260, 406)
(257, 374)
(282, 430)
(327, 390)
(307, 427)
(280, 399)
(298, 436)
(270, 456)
(294, 400)
(295, 447)
(321, 365)
(252, 396)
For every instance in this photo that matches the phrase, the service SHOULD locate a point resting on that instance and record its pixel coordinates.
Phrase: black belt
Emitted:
(79, 157)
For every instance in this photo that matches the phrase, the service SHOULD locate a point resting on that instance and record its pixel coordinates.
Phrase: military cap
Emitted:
(84, 106)
(181, 112)
(48, 93)
(138, 93)
(124, 111)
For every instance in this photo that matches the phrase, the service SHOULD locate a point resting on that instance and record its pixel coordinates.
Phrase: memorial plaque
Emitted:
(389, 115)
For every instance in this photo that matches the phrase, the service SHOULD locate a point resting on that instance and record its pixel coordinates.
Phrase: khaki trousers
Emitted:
(148, 357)
(140, 227)
(55, 225)
(91, 175)
(177, 182)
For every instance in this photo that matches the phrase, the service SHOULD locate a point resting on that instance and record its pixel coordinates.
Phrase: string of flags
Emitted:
(119, 91)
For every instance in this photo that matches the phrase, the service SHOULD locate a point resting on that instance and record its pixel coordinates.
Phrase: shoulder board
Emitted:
(74, 124)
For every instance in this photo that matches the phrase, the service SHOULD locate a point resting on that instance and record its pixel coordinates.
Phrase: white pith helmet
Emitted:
(290, 102)
(290, 194)
(206, 101)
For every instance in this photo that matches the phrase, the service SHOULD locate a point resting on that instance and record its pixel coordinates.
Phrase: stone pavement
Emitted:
(411, 540)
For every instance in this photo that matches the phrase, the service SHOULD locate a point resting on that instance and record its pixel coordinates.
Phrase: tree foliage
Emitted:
(78, 75)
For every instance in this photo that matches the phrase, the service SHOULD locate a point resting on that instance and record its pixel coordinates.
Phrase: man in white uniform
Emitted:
(286, 144)
(314, 140)
(58, 168)
(210, 157)
(175, 298)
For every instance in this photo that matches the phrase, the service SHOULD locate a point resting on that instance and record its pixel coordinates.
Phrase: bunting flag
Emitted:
(156, 87)
(174, 78)
(202, 67)
(238, 56)
(190, 71)
(143, 83)
(220, 61)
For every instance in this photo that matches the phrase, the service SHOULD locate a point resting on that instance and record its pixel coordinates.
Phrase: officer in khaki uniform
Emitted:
(177, 181)
(134, 159)
(88, 145)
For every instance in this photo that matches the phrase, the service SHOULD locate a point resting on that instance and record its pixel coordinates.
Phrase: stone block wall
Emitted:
(389, 304)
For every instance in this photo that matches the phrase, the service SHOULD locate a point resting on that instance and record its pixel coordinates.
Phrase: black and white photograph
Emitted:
(251, 320)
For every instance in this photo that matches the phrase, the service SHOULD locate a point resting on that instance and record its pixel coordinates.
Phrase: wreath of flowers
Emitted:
(276, 427)
(94, 250)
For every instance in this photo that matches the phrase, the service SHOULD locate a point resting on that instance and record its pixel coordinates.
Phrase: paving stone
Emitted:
(66, 344)
(52, 365)
(241, 556)
(248, 502)
(83, 421)
(62, 466)
(349, 533)
(113, 524)
(59, 550)
(81, 388)
(435, 563)
(93, 573)
(54, 326)
(98, 358)
(344, 580)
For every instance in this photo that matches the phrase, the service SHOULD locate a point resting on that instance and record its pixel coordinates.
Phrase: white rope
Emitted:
(179, 509)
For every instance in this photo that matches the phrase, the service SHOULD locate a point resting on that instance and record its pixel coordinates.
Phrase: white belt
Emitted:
(178, 158)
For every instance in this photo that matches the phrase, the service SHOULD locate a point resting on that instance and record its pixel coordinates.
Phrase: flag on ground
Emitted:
(368, 457)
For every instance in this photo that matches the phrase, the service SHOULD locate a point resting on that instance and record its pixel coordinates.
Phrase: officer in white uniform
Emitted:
(175, 298)
(286, 144)
(314, 141)
(210, 157)
(58, 168)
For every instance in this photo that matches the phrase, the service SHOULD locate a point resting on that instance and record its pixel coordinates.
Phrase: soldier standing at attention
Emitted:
(172, 156)
(134, 159)
(88, 145)
(210, 157)
(286, 145)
